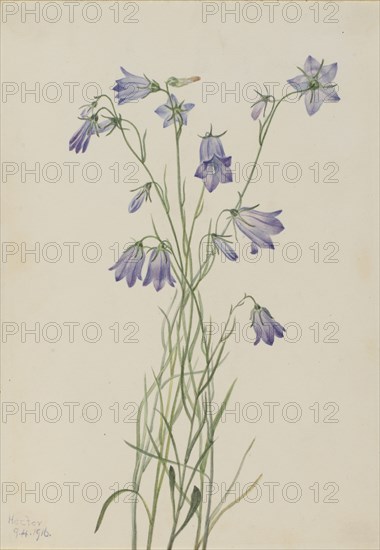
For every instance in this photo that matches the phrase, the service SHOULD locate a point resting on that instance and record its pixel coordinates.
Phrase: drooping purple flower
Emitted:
(315, 83)
(224, 246)
(132, 87)
(260, 106)
(130, 264)
(173, 110)
(257, 226)
(265, 327)
(159, 269)
(141, 196)
(214, 165)
(80, 140)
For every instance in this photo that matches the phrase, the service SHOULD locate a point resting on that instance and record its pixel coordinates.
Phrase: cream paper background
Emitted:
(171, 39)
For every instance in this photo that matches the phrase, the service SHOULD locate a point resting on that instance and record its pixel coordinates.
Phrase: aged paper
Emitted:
(77, 345)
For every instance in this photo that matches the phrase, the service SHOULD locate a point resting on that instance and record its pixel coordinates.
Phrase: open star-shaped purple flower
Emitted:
(173, 110)
(315, 83)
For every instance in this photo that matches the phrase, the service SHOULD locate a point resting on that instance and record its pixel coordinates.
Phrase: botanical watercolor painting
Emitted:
(175, 431)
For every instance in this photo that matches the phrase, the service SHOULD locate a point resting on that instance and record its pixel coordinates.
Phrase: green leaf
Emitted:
(111, 498)
(171, 479)
(172, 488)
(236, 477)
(143, 147)
(168, 427)
(196, 436)
(236, 501)
(222, 408)
(166, 460)
(196, 498)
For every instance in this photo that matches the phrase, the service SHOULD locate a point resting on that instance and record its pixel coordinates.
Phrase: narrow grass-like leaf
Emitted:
(162, 459)
(236, 501)
(172, 489)
(166, 198)
(213, 371)
(195, 436)
(220, 412)
(112, 497)
(199, 461)
(180, 405)
(143, 147)
(171, 438)
(215, 512)
(196, 498)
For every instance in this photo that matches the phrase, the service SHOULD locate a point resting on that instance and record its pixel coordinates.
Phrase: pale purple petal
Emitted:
(313, 101)
(265, 327)
(136, 202)
(131, 87)
(311, 66)
(188, 106)
(214, 167)
(257, 109)
(331, 95)
(254, 248)
(210, 146)
(225, 248)
(162, 111)
(141, 80)
(258, 226)
(159, 270)
(168, 120)
(259, 333)
(129, 265)
(300, 83)
(328, 73)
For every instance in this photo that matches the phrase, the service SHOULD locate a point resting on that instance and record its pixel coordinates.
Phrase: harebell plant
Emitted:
(177, 398)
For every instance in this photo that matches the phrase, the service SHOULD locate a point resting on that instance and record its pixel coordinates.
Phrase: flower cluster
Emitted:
(315, 84)
(130, 264)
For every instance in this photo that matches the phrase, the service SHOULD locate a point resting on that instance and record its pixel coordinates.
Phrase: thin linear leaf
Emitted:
(171, 438)
(196, 498)
(199, 461)
(236, 501)
(196, 435)
(220, 412)
(172, 488)
(235, 477)
(111, 498)
(162, 459)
